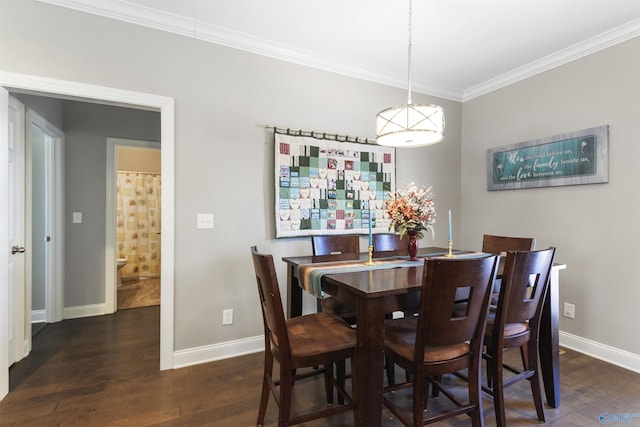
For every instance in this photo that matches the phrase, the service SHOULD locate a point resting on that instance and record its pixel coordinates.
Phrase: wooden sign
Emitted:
(574, 158)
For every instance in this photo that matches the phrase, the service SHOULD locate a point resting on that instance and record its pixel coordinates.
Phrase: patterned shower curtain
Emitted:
(138, 223)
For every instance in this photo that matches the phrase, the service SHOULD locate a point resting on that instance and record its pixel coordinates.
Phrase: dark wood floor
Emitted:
(104, 371)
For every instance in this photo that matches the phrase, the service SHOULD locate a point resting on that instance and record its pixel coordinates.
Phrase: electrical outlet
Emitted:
(227, 317)
(205, 221)
(569, 310)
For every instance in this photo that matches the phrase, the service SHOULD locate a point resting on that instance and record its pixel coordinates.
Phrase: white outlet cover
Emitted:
(77, 217)
(205, 221)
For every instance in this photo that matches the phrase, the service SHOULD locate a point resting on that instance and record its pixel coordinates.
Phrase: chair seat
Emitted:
(319, 334)
(510, 329)
(400, 337)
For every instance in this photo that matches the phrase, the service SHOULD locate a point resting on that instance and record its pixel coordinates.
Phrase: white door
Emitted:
(45, 219)
(19, 337)
(4, 244)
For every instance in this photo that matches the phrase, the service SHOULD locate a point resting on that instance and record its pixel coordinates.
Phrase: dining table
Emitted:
(382, 288)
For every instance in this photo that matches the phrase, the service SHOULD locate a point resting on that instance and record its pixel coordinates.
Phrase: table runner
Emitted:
(310, 275)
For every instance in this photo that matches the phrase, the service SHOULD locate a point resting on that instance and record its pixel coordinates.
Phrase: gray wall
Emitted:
(223, 154)
(86, 128)
(594, 227)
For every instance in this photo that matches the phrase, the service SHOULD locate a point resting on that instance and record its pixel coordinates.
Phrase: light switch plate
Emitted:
(77, 217)
(205, 221)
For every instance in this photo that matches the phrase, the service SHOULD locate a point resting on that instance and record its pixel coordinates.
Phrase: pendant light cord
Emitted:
(409, 57)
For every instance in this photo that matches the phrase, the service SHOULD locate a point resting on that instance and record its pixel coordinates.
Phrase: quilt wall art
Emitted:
(327, 187)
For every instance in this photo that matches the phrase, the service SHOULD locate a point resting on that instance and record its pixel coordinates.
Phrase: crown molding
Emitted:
(152, 18)
(579, 50)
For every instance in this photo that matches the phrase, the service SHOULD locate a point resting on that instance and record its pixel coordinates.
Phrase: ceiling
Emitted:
(460, 48)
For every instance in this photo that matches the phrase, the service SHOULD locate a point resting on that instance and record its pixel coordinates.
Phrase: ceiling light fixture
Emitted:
(411, 125)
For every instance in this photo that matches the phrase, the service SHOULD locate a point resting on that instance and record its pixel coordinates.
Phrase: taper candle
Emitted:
(370, 229)
(450, 232)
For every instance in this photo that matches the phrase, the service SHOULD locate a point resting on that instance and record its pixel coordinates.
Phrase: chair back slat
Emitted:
(270, 300)
(525, 280)
(437, 325)
(345, 245)
(498, 244)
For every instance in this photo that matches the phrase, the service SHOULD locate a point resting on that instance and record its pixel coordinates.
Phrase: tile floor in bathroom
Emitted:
(142, 292)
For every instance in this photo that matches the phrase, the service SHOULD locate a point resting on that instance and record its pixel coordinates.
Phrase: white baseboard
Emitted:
(85, 311)
(615, 356)
(38, 316)
(211, 353)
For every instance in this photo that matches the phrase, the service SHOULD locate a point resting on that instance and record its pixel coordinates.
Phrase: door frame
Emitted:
(110, 269)
(54, 217)
(102, 94)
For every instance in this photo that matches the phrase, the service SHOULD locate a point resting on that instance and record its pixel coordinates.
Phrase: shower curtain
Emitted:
(138, 223)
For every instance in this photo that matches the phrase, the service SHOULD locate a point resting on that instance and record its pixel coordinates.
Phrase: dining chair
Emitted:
(342, 247)
(499, 245)
(516, 324)
(388, 245)
(437, 342)
(343, 244)
(308, 341)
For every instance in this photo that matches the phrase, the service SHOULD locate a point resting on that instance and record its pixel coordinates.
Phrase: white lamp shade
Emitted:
(412, 125)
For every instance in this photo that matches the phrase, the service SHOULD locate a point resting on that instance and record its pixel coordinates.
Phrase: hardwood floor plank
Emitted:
(104, 371)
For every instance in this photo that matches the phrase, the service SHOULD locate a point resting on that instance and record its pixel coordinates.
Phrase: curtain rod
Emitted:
(321, 135)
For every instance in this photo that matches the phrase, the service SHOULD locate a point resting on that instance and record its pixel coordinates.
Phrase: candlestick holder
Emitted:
(370, 261)
(450, 253)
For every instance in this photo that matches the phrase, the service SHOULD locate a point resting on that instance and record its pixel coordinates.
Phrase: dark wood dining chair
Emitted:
(500, 245)
(334, 247)
(346, 245)
(388, 245)
(436, 343)
(516, 324)
(308, 341)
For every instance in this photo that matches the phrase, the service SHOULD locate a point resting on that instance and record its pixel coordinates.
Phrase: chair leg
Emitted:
(328, 386)
(535, 381)
(286, 386)
(341, 379)
(390, 368)
(264, 395)
(419, 399)
(498, 387)
(475, 391)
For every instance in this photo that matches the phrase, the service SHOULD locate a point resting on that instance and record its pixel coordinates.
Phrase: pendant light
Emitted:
(411, 125)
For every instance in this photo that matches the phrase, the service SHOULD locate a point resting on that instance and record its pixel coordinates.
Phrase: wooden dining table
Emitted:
(375, 292)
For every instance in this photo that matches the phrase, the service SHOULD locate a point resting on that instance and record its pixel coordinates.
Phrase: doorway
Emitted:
(45, 219)
(80, 91)
(134, 194)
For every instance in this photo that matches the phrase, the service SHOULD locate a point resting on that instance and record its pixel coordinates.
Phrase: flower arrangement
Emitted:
(412, 209)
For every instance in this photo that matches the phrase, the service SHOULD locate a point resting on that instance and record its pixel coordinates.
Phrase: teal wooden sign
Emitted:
(570, 159)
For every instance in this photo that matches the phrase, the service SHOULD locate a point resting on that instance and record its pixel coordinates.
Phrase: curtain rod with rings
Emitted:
(321, 135)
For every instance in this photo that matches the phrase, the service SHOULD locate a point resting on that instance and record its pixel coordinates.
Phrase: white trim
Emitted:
(84, 311)
(176, 24)
(224, 350)
(615, 356)
(38, 316)
(167, 138)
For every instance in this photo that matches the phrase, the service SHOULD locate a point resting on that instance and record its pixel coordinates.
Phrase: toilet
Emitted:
(121, 262)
